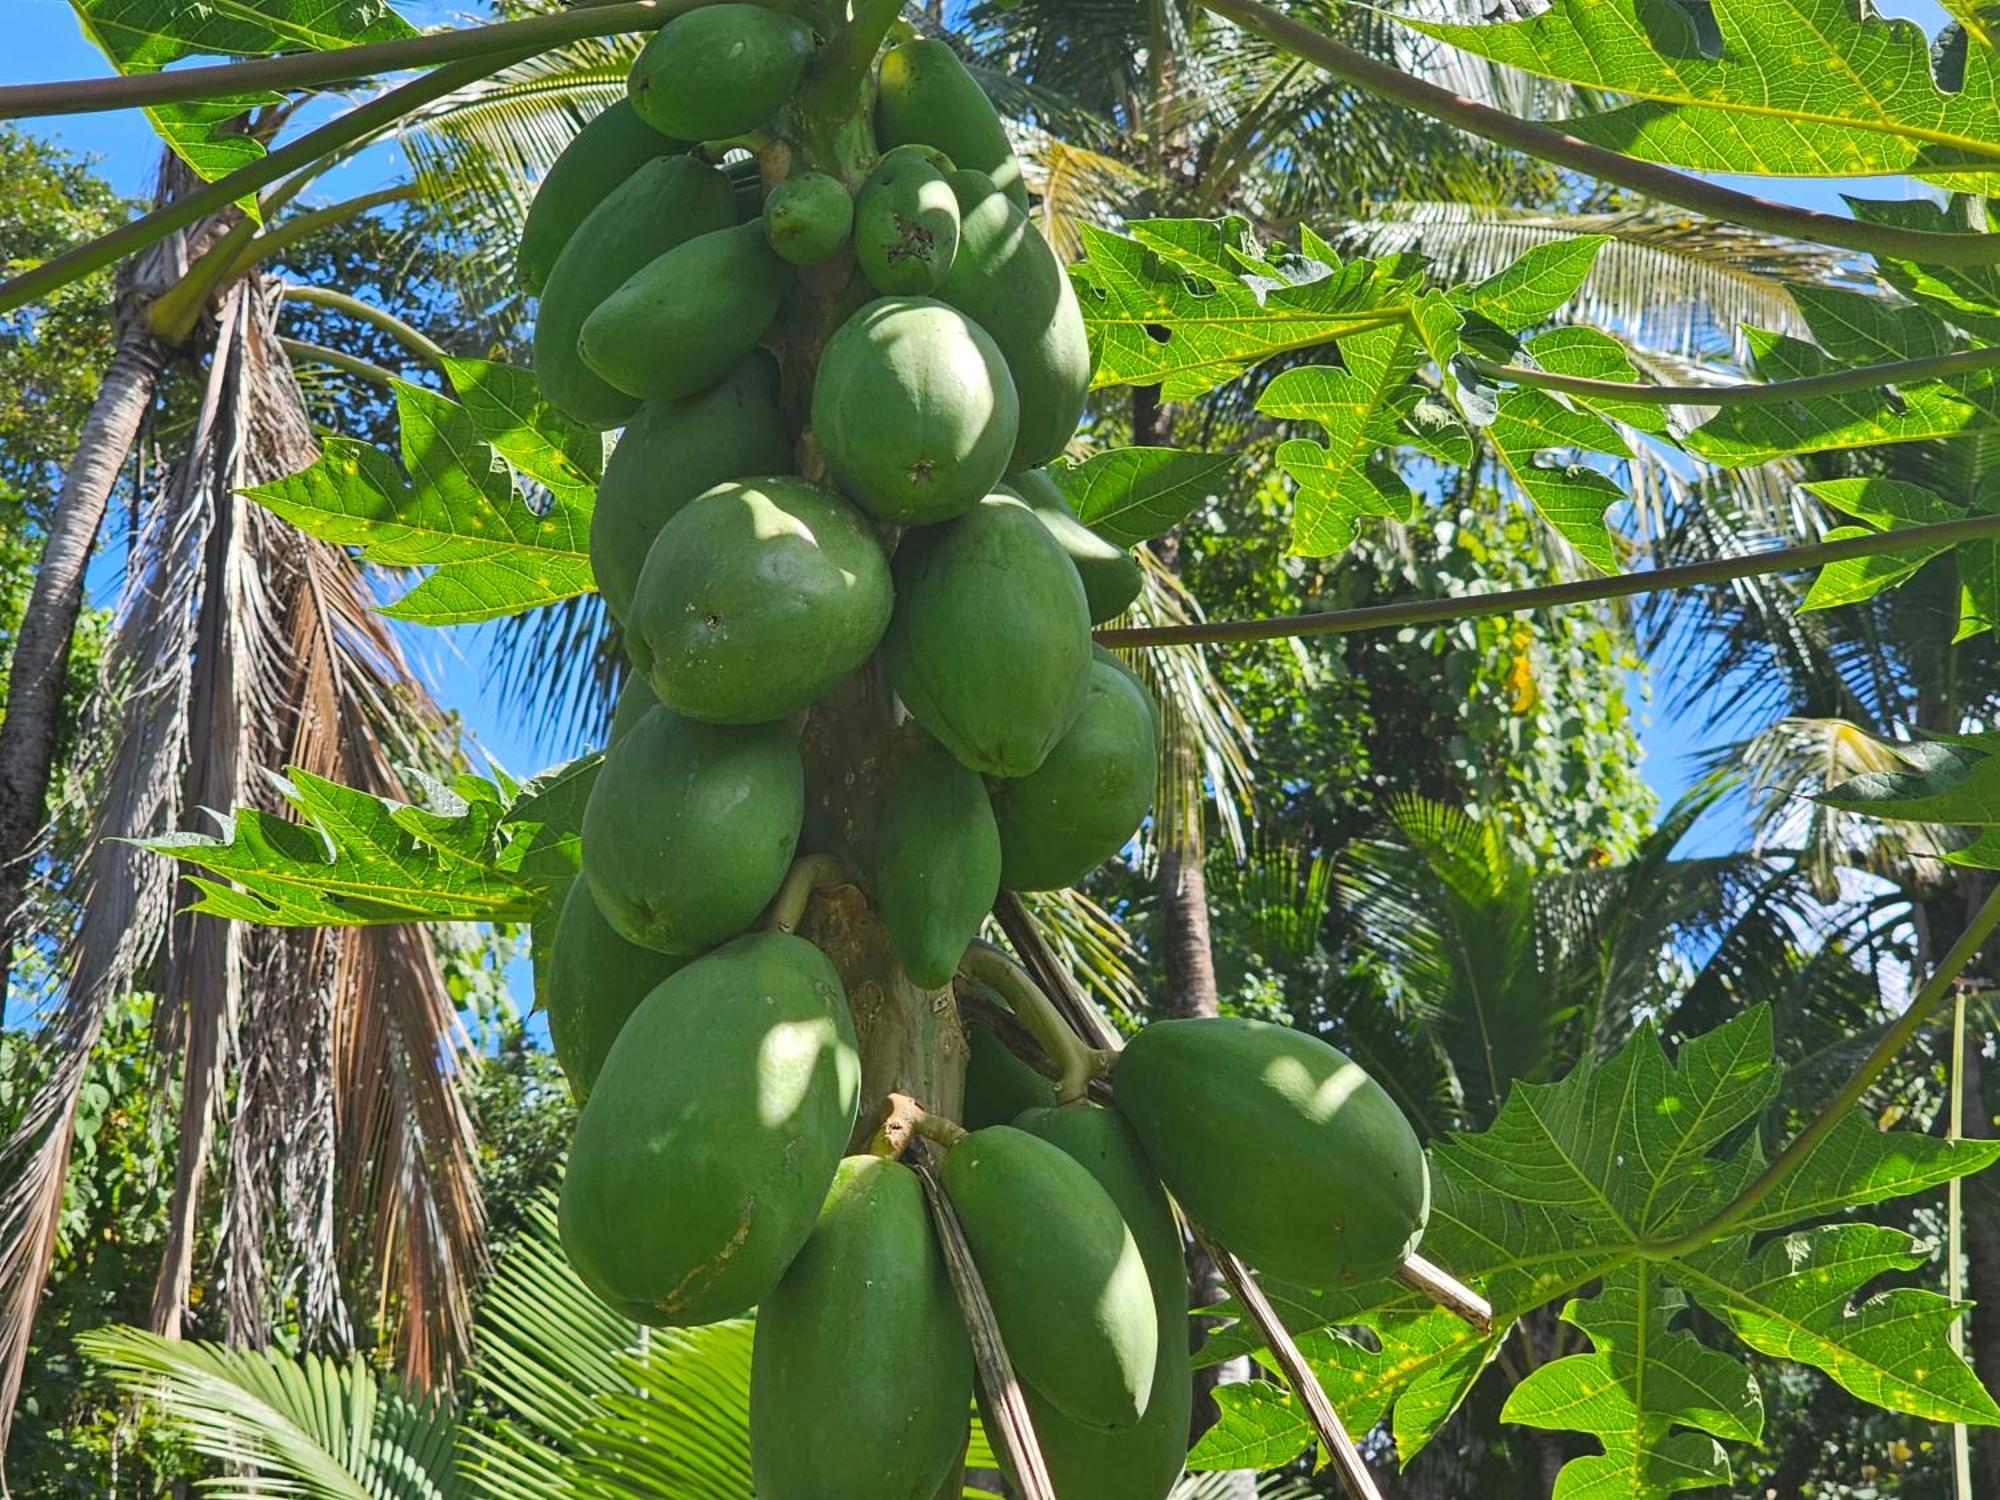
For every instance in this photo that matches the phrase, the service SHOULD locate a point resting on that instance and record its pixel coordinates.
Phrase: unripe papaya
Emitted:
(664, 203)
(699, 1165)
(861, 1375)
(1007, 279)
(1144, 1460)
(1064, 1275)
(635, 701)
(690, 828)
(1278, 1145)
(718, 71)
(1111, 577)
(905, 223)
(808, 216)
(757, 597)
(610, 148)
(924, 95)
(913, 409)
(1088, 796)
(670, 452)
(595, 980)
(937, 863)
(990, 645)
(998, 1085)
(678, 323)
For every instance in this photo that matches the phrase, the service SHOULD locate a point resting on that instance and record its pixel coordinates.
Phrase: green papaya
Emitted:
(1143, 1461)
(989, 648)
(998, 1084)
(913, 409)
(595, 980)
(757, 597)
(718, 71)
(1278, 1145)
(670, 452)
(1064, 1275)
(1110, 574)
(678, 323)
(808, 216)
(1088, 796)
(1008, 281)
(905, 224)
(937, 864)
(924, 94)
(610, 148)
(690, 828)
(700, 1162)
(635, 701)
(665, 202)
(861, 1372)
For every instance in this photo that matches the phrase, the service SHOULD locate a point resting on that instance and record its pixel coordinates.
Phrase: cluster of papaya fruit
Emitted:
(872, 505)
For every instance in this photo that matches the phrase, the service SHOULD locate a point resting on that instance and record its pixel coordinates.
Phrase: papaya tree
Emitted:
(870, 560)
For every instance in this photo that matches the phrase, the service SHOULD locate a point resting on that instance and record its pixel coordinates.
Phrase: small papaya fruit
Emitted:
(937, 863)
(905, 223)
(913, 409)
(718, 71)
(808, 216)
(756, 598)
(1007, 279)
(670, 452)
(998, 1084)
(1110, 574)
(665, 202)
(989, 647)
(690, 828)
(861, 1372)
(613, 145)
(925, 95)
(681, 321)
(712, 1133)
(1280, 1146)
(595, 980)
(1065, 1277)
(1088, 796)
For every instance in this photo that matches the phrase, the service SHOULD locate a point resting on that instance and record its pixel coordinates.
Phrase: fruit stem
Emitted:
(809, 873)
(906, 1121)
(1447, 1291)
(1076, 1063)
(843, 64)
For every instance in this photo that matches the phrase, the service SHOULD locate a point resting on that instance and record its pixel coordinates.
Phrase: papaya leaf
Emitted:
(1596, 355)
(1944, 781)
(1540, 439)
(1966, 297)
(1131, 495)
(1855, 579)
(490, 552)
(507, 408)
(1815, 88)
(1535, 284)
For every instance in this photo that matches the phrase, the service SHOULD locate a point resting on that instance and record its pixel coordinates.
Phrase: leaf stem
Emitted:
(809, 873)
(1753, 393)
(1579, 591)
(1551, 144)
(302, 352)
(388, 322)
(1447, 1291)
(1076, 1063)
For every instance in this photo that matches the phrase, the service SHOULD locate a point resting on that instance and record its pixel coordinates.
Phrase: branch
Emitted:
(1833, 383)
(302, 352)
(388, 322)
(1553, 145)
(301, 226)
(1581, 591)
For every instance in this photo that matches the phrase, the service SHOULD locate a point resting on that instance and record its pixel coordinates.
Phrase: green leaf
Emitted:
(1536, 284)
(1258, 1428)
(1803, 89)
(1942, 782)
(507, 408)
(1596, 355)
(1131, 495)
(1966, 297)
(1533, 431)
(459, 514)
(1860, 578)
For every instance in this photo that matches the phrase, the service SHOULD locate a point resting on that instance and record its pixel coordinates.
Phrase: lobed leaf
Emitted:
(1131, 495)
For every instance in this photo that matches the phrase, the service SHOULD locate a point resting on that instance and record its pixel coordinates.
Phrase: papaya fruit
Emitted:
(989, 647)
(712, 1133)
(690, 828)
(1143, 1461)
(613, 145)
(1110, 574)
(595, 980)
(1007, 279)
(937, 863)
(905, 223)
(1088, 796)
(718, 71)
(913, 409)
(757, 597)
(1281, 1147)
(681, 321)
(808, 216)
(670, 452)
(1064, 1275)
(663, 203)
(998, 1084)
(635, 701)
(861, 1372)
(925, 95)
